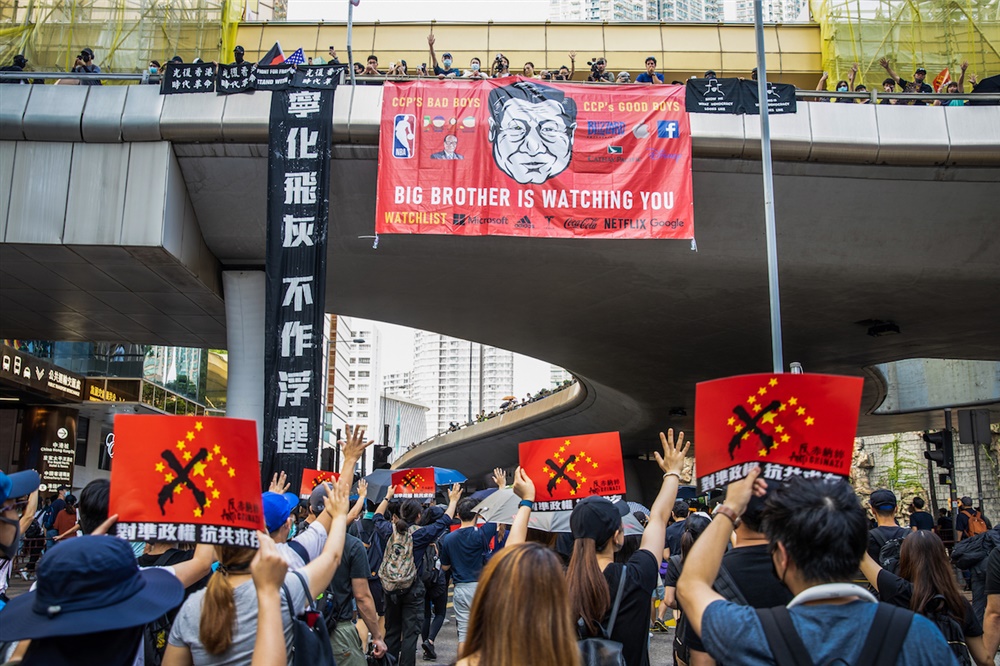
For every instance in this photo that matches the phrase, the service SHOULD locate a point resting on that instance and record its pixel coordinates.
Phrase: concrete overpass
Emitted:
(120, 209)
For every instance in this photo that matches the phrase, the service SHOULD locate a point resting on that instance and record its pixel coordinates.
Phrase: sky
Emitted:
(530, 374)
(421, 10)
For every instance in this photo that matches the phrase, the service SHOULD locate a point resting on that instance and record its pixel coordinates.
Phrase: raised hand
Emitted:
(738, 493)
(337, 497)
(268, 567)
(964, 65)
(431, 39)
(674, 452)
(524, 487)
(499, 478)
(362, 488)
(355, 443)
(279, 483)
(884, 62)
(455, 493)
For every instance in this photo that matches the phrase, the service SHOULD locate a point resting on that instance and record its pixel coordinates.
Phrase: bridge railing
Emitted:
(873, 96)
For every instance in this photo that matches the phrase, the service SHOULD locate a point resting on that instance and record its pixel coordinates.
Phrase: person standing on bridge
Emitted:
(85, 65)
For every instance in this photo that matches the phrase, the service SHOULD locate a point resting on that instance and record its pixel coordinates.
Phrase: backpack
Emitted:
(881, 647)
(888, 553)
(48, 517)
(373, 549)
(967, 553)
(310, 638)
(431, 566)
(398, 570)
(602, 651)
(155, 633)
(976, 523)
(937, 612)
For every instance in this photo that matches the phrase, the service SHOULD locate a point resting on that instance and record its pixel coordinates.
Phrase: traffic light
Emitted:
(943, 454)
(380, 459)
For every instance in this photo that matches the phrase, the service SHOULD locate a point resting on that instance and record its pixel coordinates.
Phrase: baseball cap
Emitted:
(966, 501)
(87, 585)
(238, 49)
(277, 508)
(710, 74)
(883, 499)
(920, 69)
(316, 504)
(18, 484)
(446, 55)
(88, 51)
(597, 518)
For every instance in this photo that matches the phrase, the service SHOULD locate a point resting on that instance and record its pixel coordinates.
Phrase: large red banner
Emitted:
(186, 478)
(519, 157)
(311, 478)
(801, 424)
(567, 469)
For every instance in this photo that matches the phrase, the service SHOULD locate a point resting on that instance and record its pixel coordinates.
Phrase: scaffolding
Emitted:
(124, 34)
(934, 34)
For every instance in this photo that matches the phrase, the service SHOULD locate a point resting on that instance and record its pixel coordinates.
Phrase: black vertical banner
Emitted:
(298, 205)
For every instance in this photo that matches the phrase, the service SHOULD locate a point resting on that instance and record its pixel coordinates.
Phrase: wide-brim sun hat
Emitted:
(88, 585)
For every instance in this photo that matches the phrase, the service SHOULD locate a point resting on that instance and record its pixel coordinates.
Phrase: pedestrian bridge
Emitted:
(120, 211)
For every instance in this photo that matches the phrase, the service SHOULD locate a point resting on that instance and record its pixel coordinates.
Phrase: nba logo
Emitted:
(402, 141)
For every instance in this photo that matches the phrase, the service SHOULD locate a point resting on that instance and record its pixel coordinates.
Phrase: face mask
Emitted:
(447, 62)
(291, 532)
(152, 70)
(842, 89)
(8, 552)
(475, 67)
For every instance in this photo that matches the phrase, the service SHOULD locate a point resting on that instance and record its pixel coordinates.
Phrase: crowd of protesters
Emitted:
(500, 66)
(776, 571)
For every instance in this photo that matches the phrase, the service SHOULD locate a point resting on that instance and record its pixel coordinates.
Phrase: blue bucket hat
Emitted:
(18, 484)
(87, 585)
(277, 508)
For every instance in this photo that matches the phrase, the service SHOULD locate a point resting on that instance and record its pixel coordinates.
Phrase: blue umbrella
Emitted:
(480, 495)
(380, 480)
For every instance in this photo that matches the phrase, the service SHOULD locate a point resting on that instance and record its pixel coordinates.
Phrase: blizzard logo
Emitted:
(605, 128)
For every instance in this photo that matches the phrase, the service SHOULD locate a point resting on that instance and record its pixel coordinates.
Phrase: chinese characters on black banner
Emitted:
(298, 207)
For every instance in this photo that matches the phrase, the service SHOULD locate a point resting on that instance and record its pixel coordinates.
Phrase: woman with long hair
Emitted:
(218, 625)
(521, 615)
(926, 585)
(593, 576)
(404, 608)
(688, 648)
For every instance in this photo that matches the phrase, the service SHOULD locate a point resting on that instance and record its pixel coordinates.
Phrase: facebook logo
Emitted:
(667, 129)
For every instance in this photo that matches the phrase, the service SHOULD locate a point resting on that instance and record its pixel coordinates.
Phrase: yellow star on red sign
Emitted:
(160, 467)
(198, 426)
(181, 445)
(810, 420)
(190, 436)
(197, 513)
(773, 382)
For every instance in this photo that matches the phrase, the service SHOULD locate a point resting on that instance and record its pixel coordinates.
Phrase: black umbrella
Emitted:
(987, 85)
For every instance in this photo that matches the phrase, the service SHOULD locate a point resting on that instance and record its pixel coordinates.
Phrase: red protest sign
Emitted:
(566, 469)
(314, 477)
(801, 424)
(417, 483)
(518, 157)
(186, 478)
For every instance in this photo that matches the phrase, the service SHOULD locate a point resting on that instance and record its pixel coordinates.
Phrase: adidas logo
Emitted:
(524, 223)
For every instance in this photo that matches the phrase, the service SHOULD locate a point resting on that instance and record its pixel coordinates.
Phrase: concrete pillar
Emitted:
(244, 294)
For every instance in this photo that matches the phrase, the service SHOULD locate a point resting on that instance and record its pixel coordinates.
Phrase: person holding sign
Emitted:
(817, 532)
(219, 625)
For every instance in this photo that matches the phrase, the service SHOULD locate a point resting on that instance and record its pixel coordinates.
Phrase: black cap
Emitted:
(883, 500)
(238, 49)
(920, 69)
(966, 501)
(446, 55)
(88, 51)
(597, 518)
(710, 74)
(20, 60)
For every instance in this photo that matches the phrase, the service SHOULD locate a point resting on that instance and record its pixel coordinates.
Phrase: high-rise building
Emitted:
(458, 379)
(353, 371)
(774, 11)
(558, 375)
(407, 421)
(604, 10)
(398, 384)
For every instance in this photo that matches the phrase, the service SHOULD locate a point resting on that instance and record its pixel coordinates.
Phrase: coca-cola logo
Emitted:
(581, 223)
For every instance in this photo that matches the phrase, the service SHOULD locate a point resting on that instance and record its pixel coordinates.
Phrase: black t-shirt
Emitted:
(993, 572)
(874, 545)
(921, 520)
(898, 591)
(456, 73)
(353, 565)
(753, 571)
(673, 538)
(632, 624)
(605, 76)
(691, 639)
(944, 528)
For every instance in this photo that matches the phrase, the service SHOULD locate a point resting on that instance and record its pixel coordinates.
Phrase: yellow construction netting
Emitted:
(124, 34)
(934, 34)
